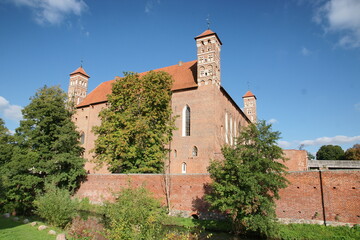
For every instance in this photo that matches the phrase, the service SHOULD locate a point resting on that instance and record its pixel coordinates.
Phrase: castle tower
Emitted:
(208, 56)
(78, 85)
(250, 106)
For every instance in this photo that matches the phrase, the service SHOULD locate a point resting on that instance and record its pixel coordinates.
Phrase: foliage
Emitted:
(46, 149)
(86, 228)
(330, 152)
(134, 215)
(6, 144)
(246, 183)
(137, 125)
(6, 150)
(55, 206)
(317, 232)
(310, 156)
(353, 153)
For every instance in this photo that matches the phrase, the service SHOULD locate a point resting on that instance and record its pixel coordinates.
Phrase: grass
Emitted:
(286, 232)
(209, 225)
(318, 232)
(16, 230)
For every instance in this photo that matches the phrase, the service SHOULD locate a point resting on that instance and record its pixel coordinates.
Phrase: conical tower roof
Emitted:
(81, 71)
(249, 94)
(206, 33)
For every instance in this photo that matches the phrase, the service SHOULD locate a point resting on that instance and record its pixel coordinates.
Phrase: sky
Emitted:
(301, 58)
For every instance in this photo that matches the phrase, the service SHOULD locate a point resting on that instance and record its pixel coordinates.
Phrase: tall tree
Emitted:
(47, 149)
(6, 151)
(330, 152)
(248, 180)
(137, 125)
(353, 153)
(6, 144)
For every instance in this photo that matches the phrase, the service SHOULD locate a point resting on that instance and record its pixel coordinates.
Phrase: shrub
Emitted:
(55, 206)
(134, 215)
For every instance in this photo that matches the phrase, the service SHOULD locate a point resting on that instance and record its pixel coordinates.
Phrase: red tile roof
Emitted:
(249, 94)
(205, 33)
(80, 70)
(184, 76)
(208, 33)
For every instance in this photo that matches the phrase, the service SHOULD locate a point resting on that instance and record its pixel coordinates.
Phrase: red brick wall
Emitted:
(296, 160)
(208, 105)
(300, 200)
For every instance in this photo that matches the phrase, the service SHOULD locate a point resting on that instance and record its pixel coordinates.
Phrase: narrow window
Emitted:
(226, 128)
(195, 151)
(175, 153)
(183, 167)
(186, 121)
(231, 131)
(82, 138)
(235, 133)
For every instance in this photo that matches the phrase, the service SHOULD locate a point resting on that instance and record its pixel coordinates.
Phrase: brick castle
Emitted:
(209, 118)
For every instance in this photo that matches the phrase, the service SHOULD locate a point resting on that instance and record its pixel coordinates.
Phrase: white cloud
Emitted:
(357, 106)
(305, 51)
(53, 11)
(342, 17)
(331, 140)
(284, 144)
(12, 112)
(150, 4)
(272, 121)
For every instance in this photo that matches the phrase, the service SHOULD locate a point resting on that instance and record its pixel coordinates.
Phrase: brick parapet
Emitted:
(305, 199)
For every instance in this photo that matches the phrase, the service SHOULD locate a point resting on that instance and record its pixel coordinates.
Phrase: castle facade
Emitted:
(208, 116)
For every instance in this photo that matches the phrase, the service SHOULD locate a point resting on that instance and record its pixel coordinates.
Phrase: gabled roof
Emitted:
(208, 32)
(184, 76)
(249, 94)
(81, 71)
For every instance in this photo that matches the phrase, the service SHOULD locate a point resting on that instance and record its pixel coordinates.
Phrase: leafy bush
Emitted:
(55, 206)
(89, 228)
(134, 215)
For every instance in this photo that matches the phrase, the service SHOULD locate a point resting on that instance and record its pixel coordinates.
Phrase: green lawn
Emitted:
(12, 230)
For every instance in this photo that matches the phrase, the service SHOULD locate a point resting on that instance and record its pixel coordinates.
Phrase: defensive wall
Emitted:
(332, 197)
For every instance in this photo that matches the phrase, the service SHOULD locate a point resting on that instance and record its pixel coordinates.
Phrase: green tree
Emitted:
(137, 125)
(246, 183)
(330, 152)
(6, 144)
(310, 155)
(353, 153)
(47, 149)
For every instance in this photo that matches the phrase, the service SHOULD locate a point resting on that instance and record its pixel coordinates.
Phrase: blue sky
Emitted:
(301, 58)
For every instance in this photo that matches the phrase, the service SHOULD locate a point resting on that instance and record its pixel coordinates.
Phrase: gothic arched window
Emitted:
(202, 71)
(183, 167)
(195, 151)
(186, 121)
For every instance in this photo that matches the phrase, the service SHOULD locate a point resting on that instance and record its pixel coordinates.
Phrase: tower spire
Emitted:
(208, 21)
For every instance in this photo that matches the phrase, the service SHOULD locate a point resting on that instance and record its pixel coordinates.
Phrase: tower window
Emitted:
(82, 138)
(186, 121)
(183, 167)
(175, 153)
(195, 151)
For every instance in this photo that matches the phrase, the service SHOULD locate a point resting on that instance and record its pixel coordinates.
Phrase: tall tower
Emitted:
(208, 56)
(78, 85)
(250, 106)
